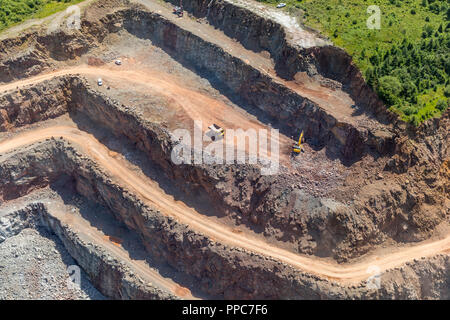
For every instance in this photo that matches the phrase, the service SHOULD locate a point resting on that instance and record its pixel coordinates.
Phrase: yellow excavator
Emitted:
(298, 147)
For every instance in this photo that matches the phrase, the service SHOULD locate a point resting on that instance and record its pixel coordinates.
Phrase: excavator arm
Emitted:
(297, 148)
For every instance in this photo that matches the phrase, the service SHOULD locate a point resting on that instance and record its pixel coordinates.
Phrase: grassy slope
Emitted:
(13, 12)
(344, 22)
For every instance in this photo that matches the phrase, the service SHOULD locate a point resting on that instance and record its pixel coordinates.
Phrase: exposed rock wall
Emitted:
(34, 52)
(334, 63)
(270, 204)
(43, 101)
(20, 64)
(267, 203)
(110, 276)
(113, 278)
(14, 222)
(28, 168)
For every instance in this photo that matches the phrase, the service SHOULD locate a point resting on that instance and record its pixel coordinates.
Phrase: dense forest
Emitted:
(409, 70)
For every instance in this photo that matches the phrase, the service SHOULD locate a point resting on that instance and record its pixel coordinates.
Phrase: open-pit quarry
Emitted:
(87, 176)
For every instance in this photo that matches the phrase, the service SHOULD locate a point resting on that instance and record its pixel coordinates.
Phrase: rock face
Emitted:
(260, 33)
(12, 224)
(262, 202)
(30, 105)
(45, 49)
(33, 262)
(19, 63)
(220, 270)
(110, 276)
(318, 226)
(257, 90)
(31, 170)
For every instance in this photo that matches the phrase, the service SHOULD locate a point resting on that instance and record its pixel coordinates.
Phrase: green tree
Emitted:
(447, 91)
(442, 105)
(389, 89)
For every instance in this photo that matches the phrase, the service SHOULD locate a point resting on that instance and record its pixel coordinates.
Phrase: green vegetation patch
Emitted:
(16, 11)
(406, 61)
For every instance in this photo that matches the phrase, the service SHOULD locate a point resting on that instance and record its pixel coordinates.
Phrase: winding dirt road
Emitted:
(151, 193)
(91, 234)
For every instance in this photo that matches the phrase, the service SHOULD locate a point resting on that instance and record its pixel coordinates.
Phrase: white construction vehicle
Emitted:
(215, 132)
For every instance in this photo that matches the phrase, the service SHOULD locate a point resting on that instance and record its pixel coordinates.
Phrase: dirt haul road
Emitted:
(91, 234)
(151, 193)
